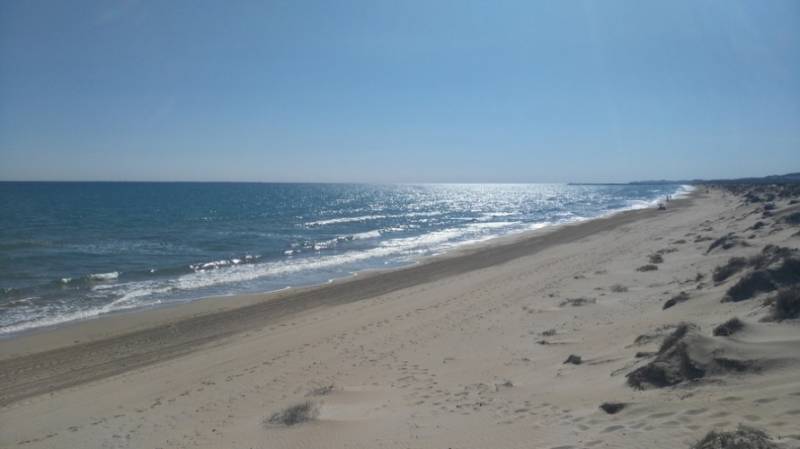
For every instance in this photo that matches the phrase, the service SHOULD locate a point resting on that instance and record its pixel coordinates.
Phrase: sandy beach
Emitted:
(510, 344)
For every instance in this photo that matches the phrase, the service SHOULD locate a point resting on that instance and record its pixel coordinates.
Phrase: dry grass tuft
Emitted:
(728, 328)
(612, 407)
(648, 267)
(786, 305)
(734, 265)
(677, 299)
(294, 415)
(321, 391)
(743, 437)
(577, 302)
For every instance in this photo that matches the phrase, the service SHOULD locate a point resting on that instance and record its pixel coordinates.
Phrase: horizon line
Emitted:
(101, 181)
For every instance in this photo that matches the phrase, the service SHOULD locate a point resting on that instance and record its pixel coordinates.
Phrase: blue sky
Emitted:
(396, 91)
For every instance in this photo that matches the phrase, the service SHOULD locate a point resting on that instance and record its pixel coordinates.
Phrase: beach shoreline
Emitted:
(126, 320)
(83, 277)
(466, 349)
(72, 339)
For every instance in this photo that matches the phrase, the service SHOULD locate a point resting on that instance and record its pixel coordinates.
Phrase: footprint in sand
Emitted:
(696, 411)
(765, 400)
(613, 429)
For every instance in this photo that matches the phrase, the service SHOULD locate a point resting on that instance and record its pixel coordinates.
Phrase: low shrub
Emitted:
(612, 407)
(792, 219)
(750, 285)
(786, 305)
(295, 414)
(321, 391)
(743, 437)
(675, 300)
(734, 265)
(577, 302)
(729, 327)
(649, 267)
(726, 242)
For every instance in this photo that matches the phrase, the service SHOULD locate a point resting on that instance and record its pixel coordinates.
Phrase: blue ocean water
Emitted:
(71, 251)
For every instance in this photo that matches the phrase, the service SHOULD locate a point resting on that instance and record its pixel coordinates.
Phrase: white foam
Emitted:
(367, 235)
(327, 244)
(539, 225)
(489, 216)
(344, 220)
(104, 276)
(495, 224)
(61, 318)
(641, 204)
(420, 214)
(227, 272)
(407, 246)
(370, 217)
(216, 264)
(684, 191)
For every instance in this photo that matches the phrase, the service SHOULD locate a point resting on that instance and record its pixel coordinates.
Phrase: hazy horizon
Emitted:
(201, 181)
(412, 92)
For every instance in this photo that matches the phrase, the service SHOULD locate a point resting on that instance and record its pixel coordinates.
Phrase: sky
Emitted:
(398, 91)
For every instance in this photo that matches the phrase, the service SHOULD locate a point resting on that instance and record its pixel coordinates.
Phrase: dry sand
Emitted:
(465, 351)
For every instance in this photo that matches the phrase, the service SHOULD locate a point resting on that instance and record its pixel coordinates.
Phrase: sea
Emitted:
(77, 250)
